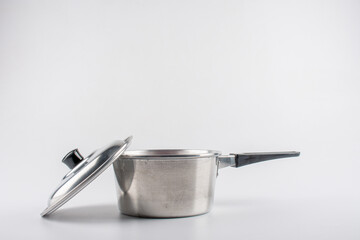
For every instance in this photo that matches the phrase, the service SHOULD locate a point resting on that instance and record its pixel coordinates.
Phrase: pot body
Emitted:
(166, 183)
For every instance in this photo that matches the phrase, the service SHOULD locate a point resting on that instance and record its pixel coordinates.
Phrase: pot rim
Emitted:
(169, 153)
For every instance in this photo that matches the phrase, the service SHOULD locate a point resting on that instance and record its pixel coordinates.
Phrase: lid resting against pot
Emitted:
(84, 171)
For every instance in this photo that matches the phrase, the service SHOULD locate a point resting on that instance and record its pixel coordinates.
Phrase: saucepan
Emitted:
(157, 183)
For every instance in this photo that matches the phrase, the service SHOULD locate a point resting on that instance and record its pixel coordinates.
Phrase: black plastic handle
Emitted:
(250, 158)
(72, 159)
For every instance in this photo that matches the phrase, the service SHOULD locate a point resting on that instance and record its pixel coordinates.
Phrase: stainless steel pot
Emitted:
(153, 183)
(175, 183)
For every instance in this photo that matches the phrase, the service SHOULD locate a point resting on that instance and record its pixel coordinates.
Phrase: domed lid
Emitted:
(84, 171)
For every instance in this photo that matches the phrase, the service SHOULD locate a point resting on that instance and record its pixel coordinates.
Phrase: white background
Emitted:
(235, 76)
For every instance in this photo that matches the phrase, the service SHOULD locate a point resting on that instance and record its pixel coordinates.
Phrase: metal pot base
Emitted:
(164, 217)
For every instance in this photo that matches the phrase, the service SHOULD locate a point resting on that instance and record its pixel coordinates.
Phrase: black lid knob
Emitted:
(72, 159)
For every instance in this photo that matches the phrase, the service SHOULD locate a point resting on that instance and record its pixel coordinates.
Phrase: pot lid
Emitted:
(84, 171)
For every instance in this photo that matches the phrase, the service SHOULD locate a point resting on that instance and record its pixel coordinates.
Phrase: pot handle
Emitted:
(250, 158)
(242, 159)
